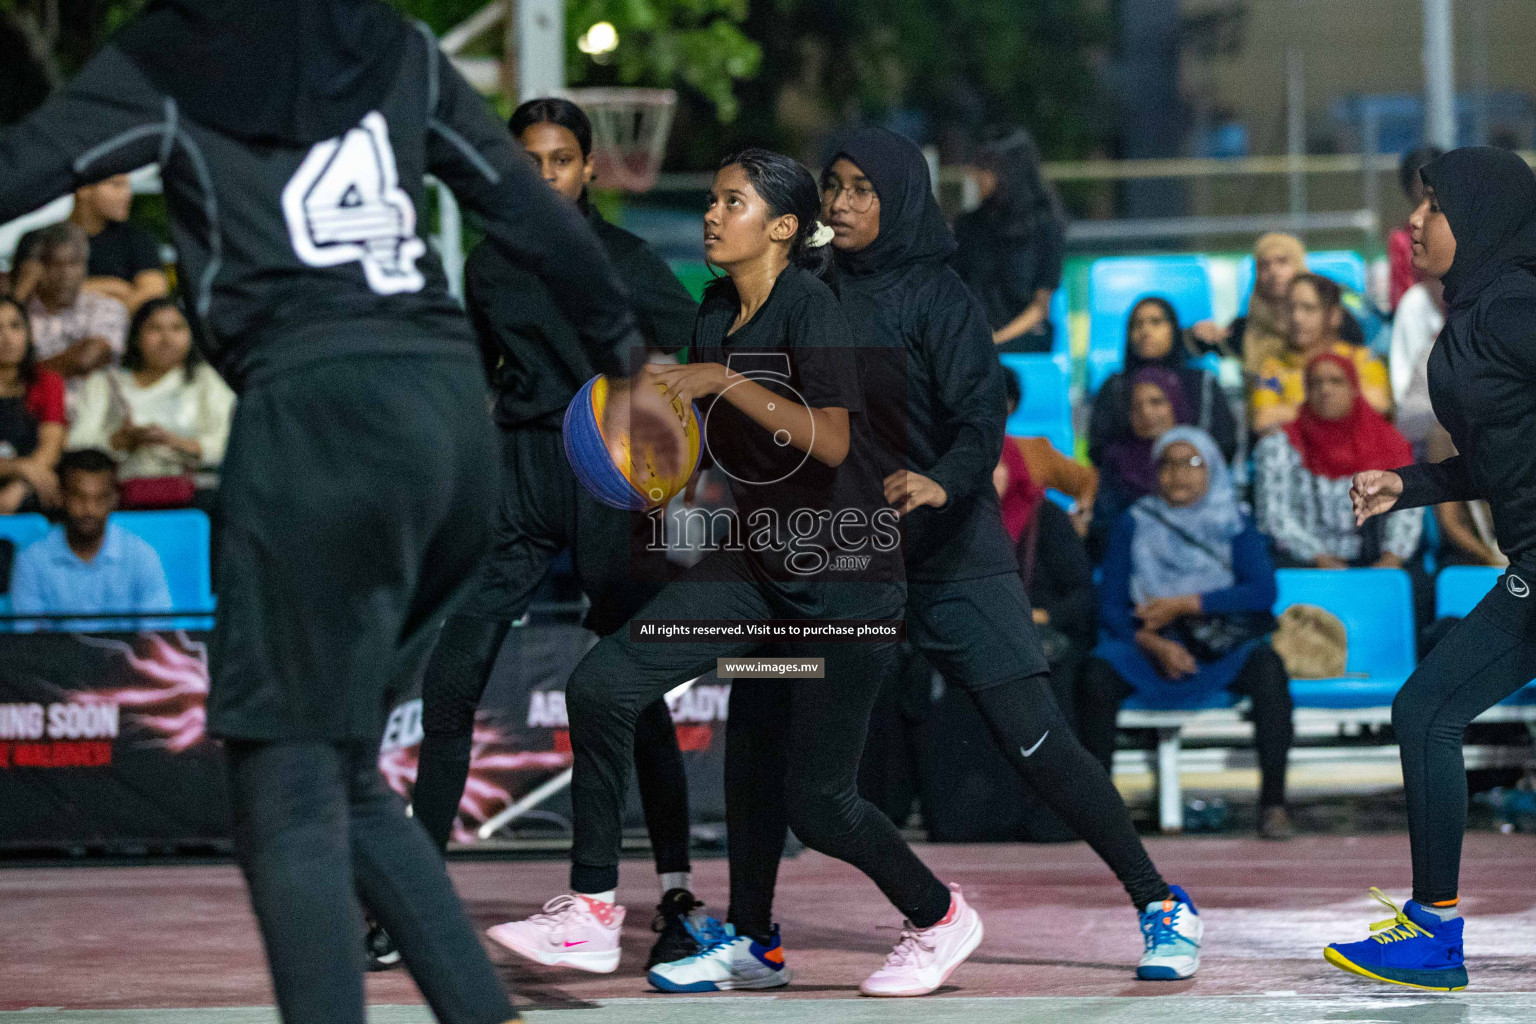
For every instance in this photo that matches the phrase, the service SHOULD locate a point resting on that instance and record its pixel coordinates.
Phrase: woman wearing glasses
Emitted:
(1010, 248)
(1183, 611)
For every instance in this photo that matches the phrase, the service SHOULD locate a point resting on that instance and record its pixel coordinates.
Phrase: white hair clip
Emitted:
(822, 236)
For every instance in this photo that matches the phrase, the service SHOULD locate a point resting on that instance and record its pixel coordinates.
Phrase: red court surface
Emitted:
(1056, 925)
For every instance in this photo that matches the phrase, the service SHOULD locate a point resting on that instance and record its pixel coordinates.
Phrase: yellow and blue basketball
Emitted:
(609, 467)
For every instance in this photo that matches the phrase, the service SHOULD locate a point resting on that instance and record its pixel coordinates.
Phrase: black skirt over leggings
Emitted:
(542, 511)
(1487, 657)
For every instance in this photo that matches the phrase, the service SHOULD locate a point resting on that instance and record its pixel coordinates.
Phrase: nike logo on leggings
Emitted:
(1036, 747)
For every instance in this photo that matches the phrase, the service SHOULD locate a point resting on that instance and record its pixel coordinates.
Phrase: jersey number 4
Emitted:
(345, 205)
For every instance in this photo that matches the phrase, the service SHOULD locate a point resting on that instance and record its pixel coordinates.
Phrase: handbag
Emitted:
(155, 492)
(1312, 642)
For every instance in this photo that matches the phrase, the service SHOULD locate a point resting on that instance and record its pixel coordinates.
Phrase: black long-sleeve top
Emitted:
(1482, 369)
(950, 427)
(533, 354)
(291, 254)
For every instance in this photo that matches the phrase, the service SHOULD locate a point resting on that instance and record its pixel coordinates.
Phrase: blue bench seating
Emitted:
(1117, 283)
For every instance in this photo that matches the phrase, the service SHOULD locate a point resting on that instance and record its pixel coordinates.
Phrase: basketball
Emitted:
(608, 465)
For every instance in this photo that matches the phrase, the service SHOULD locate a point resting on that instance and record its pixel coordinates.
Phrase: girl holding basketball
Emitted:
(777, 383)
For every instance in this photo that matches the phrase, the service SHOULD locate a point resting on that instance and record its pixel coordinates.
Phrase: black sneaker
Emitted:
(380, 949)
(682, 930)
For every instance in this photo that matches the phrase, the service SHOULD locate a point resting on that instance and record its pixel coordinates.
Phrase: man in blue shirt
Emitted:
(88, 566)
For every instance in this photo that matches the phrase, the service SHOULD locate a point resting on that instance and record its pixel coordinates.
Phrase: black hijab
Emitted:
(1489, 198)
(1173, 359)
(284, 72)
(912, 229)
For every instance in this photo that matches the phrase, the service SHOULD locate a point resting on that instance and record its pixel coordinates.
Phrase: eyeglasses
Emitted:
(1191, 462)
(860, 197)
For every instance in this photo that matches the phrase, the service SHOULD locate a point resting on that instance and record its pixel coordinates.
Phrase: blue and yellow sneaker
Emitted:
(734, 962)
(1414, 948)
(1171, 932)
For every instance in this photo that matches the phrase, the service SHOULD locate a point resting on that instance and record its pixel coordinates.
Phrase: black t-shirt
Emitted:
(120, 250)
(1005, 273)
(802, 520)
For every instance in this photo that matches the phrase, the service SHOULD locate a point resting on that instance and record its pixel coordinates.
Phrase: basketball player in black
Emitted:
(292, 138)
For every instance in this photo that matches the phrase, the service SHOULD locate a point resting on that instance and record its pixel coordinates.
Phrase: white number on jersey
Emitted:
(345, 205)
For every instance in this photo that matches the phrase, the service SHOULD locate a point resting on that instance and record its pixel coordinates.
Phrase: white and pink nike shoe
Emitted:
(571, 931)
(925, 957)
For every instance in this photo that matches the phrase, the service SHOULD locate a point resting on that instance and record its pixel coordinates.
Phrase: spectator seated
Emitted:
(1344, 267)
(1116, 284)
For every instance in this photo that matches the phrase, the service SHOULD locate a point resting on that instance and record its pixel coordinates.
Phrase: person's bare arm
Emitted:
(84, 356)
(1456, 525)
(821, 433)
(1028, 319)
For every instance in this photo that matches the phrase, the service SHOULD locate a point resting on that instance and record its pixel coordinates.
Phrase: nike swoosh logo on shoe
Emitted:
(1036, 747)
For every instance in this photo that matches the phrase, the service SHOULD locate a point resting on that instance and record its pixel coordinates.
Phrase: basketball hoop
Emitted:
(629, 133)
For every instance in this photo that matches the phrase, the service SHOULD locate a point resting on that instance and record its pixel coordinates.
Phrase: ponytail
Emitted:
(787, 188)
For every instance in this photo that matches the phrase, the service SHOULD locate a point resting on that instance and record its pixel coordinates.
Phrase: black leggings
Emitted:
(315, 827)
(456, 679)
(817, 754)
(1262, 678)
(1487, 657)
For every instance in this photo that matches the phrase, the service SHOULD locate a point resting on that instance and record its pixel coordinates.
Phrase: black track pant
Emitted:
(1487, 657)
(1262, 679)
(817, 752)
(315, 829)
(979, 635)
(543, 510)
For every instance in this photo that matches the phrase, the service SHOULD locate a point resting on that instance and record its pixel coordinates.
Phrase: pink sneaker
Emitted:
(571, 931)
(925, 958)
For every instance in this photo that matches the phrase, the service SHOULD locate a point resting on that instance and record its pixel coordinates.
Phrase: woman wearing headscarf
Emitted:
(1302, 477)
(1476, 232)
(1009, 250)
(1152, 339)
(940, 428)
(1316, 314)
(1184, 609)
(294, 137)
(1126, 467)
(1262, 332)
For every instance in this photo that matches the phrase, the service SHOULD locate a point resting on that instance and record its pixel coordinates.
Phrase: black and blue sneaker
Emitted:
(682, 927)
(1413, 948)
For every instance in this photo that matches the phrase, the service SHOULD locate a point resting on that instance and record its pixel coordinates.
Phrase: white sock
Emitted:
(610, 896)
(675, 880)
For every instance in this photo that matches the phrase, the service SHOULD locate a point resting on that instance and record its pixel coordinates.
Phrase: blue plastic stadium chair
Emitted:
(1117, 283)
(1345, 266)
(21, 530)
(1047, 407)
(1376, 607)
(180, 538)
(1061, 338)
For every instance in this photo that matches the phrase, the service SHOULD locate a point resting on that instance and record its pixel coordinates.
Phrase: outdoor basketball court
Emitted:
(177, 944)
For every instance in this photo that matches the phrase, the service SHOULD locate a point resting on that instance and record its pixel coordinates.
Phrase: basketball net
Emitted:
(629, 133)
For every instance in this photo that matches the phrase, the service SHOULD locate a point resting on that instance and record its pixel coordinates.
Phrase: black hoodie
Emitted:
(1482, 370)
(900, 294)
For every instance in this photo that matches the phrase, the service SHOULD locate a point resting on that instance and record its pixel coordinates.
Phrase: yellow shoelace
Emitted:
(1399, 926)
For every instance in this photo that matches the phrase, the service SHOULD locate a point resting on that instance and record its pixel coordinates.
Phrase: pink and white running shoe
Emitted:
(926, 957)
(571, 931)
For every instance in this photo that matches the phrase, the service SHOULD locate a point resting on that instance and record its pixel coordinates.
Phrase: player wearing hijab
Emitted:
(293, 137)
(1476, 232)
